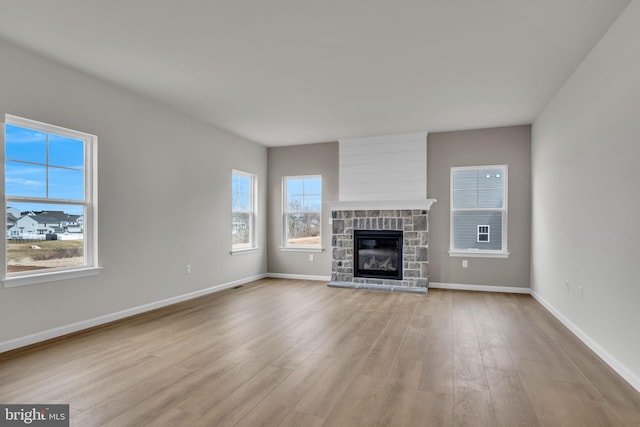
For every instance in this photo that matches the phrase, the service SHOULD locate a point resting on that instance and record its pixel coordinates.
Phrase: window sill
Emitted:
(301, 249)
(53, 276)
(244, 251)
(479, 254)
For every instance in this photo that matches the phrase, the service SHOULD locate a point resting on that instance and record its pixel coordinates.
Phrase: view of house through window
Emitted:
(478, 209)
(243, 210)
(302, 211)
(47, 197)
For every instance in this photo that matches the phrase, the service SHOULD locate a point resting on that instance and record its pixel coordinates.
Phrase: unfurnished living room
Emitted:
(330, 213)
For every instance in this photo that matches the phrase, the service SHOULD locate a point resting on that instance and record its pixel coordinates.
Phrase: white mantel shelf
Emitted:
(355, 205)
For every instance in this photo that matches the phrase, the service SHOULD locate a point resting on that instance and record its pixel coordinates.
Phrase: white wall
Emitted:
(382, 168)
(164, 197)
(586, 202)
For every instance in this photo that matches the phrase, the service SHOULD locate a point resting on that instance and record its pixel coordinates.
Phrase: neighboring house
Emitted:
(36, 225)
(11, 221)
(14, 211)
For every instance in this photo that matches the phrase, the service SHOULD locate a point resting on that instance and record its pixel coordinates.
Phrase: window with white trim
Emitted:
(50, 202)
(243, 207)
(302, 212)
(479, 211)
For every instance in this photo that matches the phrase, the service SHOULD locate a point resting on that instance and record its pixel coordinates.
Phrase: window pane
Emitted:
(64, 151)
(66, 184)
(313, 186)
(243, 184)
(465, 228)
(241, 192)
(241, 202)
(465, 199)
(490, 178)
(303, 229)
(25, 180)
(465, 179)
(490, 198)
(234, 182)
(241, 229)
(45, 236)
(25, 144)
(312, 203)
(295, 186)
(295, 203)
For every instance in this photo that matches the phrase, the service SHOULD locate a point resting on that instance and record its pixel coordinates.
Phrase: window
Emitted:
(479, 211)
(483, 233)
(302, 212)
(50, 199)
(243, 207)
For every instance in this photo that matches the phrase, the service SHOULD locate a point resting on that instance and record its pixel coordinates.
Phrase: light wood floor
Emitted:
(295, 353)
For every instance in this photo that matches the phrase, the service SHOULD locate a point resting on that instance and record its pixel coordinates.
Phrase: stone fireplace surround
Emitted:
(415, 225)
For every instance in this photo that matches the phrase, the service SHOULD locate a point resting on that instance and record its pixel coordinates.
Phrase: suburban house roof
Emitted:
(53, 217)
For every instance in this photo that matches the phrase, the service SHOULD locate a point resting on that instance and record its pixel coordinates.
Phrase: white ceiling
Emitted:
(282, 72)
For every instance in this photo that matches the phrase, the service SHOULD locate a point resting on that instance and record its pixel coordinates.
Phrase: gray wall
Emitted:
(164, 197)
(314, 159)
(510, 146)
(586, 169)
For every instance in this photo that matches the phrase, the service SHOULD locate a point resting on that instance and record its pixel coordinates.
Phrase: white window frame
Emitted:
(90, 203)
(253, 210)
(480, 253)
(285, 212)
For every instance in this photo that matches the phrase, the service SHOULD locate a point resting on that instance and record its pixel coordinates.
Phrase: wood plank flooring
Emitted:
(297, 353)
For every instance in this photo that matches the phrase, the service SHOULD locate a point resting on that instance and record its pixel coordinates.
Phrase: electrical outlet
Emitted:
(310, 257)
(187, 269)
(581, 290)
(465, 263)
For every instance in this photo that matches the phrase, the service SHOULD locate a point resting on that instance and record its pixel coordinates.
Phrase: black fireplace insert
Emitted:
(378, 254)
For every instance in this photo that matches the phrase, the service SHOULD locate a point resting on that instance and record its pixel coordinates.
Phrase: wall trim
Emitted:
(482, 288)
(606, 357)
(298, 276)
(24, 341)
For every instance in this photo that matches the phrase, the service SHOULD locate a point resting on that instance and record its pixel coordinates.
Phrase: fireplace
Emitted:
(392, 229)
(378, 254)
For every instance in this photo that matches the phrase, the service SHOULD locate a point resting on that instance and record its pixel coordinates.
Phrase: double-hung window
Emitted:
(479, 211)
(302, 196)
(243, 207)
(50, 202)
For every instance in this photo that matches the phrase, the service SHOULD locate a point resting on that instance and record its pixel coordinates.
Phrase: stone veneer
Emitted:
(414, 224)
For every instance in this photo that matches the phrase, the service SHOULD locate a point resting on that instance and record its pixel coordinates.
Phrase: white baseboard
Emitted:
(298, 276)
(100, 320)
(482, 288)
(614, 363)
